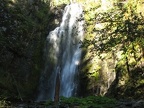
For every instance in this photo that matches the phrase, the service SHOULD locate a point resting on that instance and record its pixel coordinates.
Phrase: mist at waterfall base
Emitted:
(63, 54)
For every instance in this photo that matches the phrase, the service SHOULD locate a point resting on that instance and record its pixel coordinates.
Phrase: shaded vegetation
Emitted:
(88, 102)
(22, 36)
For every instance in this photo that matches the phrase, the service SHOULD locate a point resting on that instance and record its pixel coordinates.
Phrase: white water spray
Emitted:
(64, 53)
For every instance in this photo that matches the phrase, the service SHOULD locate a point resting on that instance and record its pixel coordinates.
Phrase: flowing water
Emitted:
(63, 54)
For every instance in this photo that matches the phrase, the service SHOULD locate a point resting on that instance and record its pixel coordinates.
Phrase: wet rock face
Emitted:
(56, 16)
(130, 104)
(139, 104)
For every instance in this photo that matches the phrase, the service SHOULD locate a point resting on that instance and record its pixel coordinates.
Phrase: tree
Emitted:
(118, 29)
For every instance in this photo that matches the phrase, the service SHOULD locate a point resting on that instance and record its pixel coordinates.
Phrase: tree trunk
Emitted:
(57, 88)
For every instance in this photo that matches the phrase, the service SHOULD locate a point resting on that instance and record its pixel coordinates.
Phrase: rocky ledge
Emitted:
(130, 104)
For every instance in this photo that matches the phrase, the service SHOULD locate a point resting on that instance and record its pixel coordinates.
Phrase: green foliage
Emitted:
(88, 102)
(3, 103)
(49, 103)
(60, 2)
(24, 28)
(121, 25)
(22, 37)
(119, 29)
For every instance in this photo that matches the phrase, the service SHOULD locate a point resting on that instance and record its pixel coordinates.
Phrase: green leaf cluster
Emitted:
(87, 102)
(22, 37)
(118, 30)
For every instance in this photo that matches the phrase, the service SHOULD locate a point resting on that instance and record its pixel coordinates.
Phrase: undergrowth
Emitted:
(87, 102)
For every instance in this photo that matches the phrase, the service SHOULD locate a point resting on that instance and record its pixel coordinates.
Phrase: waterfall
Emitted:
(63, 54)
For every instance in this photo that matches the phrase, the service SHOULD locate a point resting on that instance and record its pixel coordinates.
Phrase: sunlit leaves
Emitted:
(120, 27)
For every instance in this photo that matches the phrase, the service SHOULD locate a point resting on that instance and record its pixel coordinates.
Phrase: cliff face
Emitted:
(113, 50)
(112, 59)
(23, 31)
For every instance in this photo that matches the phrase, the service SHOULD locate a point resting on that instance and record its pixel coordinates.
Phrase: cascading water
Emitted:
(63, 54)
